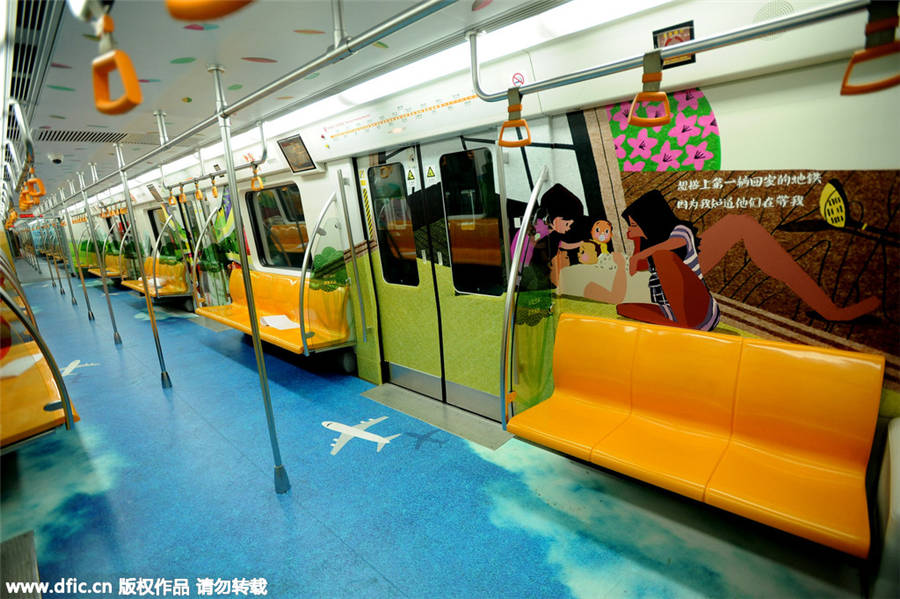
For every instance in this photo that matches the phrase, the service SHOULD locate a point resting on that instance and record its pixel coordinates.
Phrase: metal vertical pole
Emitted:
(282, 483)
(87, 210)
(60, 236)
(163, 374)
(47, 255)
(55, 267)
(76, 253)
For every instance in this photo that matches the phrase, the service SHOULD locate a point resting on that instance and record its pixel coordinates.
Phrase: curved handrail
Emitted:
(309, 250)
(103, 249)
(155, 256)
(362, 310)
(122, 250)
(512, 284)
(195, 282)
(17, 286)
(45, 351)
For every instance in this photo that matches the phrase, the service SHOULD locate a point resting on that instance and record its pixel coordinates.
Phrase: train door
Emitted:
(397, 214)
(442, 268)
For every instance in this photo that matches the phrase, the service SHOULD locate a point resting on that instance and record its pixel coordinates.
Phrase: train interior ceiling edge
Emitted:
(610, 290)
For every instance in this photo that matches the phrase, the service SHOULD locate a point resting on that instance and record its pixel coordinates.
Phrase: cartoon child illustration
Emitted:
(587, 253)
(678, 294)
(601, 232)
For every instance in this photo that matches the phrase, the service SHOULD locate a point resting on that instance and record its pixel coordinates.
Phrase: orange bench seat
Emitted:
(326, 316)
(23, 397)
(776, 432)
(170, 279)
(113, 264)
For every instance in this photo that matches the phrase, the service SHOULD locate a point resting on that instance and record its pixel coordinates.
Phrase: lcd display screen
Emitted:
(296, 154)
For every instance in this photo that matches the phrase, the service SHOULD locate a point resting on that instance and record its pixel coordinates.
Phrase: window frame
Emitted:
(262, 249)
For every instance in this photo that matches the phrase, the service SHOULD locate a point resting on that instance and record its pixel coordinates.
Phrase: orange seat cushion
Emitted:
(23, 397)
(807, 499)
(567, 424)
(681, 409)
(803, 426)
(587, 403)
(278, 294)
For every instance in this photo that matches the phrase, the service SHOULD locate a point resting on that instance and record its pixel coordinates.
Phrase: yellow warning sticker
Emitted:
(410, 176)
(430, 172)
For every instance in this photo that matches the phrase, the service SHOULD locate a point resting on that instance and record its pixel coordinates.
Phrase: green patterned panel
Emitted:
(472, 327)
(368, 360)
(409, 321)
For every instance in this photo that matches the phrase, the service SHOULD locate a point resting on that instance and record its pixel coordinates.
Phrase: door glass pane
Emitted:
(472, 208)
(393, 220)
(280, 226)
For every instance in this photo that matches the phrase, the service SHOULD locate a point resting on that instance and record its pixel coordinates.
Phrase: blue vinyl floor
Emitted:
(178, 483)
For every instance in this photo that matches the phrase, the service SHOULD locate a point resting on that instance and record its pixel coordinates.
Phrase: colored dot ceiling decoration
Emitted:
(312, 75)
(187, 100)
(258, 59)
(149, 80)
(93, 38)
(62, 88)
(380, 45)
(59, 65)
(235, 87)
(285, 98)
(56, 116)
(183, 60)
(201, 27)
(479, 4)
(309, 31)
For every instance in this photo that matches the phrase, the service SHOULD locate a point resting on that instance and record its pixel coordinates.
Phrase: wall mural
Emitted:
(689, 141)
(802, 256)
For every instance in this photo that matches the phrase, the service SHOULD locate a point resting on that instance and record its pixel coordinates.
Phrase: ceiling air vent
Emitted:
(97, 137)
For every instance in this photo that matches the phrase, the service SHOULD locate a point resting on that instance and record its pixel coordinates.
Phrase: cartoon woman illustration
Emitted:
(678, 294)
(667, 247)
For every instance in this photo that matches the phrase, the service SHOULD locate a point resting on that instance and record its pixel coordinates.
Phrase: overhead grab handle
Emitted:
(880, 42)
(256, 183)
(514, 97)
(203, 10)
(651, 79)
(112, 59)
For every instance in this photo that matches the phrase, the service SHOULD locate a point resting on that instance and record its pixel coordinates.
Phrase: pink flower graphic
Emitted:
(620, 151)
(696, 155)
(642, 144)
(622, 115)
(655, 111)
(709, 125)
(687, 98)
(633, 167)
(667, 158)
(684, 129)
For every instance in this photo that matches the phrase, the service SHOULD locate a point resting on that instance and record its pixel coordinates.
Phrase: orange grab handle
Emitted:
(203, 10)
(862, 56)
(102, 67)
(35, 187)
(198, 194)
(640, 121)
(515, 143)
(256, 183)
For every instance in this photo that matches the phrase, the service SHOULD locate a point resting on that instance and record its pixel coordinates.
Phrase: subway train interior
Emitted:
(450, 298)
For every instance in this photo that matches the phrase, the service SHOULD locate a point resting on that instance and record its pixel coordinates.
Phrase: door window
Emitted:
(472, 208)
(394, 224)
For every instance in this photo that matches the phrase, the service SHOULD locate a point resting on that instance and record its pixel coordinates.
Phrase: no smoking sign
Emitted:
(518, 79)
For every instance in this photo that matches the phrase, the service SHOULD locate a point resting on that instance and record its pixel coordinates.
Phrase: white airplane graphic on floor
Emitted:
(358, 431)
(76, 364)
